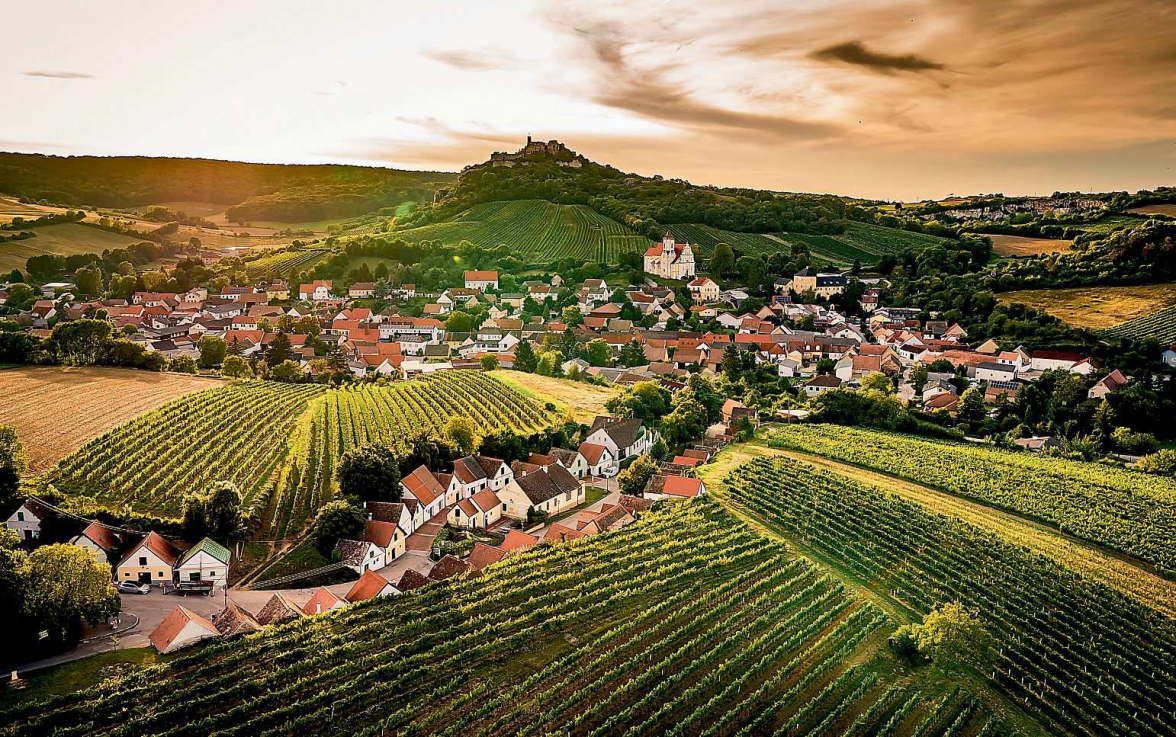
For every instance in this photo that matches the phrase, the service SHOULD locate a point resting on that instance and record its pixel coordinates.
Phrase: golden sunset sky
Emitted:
(905, 99)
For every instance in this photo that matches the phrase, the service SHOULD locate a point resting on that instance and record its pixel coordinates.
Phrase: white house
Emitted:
(552, 490)
(572, 460)
(478, 511)
(675, 487)
(99, 539)
(671, 260)
(316, 291)
(26, 520)
(599, 461)
(369, 586)
(474, 473)
(704, 289)
(625, 438)
(424, 487)
(818, 384)
(360, 556)
(180, 629)
(205, 561)
(993, 371)
(323, 601)
(481, 280)
(398, 513)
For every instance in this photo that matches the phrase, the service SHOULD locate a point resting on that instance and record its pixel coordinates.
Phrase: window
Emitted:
(194, 576)
(126, 574)
(568, 497)
(212, 573)
(159, 574)
(20, 516)
(142, 560)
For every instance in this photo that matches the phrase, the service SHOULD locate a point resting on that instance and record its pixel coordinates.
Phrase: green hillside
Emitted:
(66, 239)
(536, 230)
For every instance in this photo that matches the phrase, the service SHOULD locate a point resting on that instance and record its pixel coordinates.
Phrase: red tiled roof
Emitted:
(423, 485)
(682, 486)
(369, 585)
(516, 539)
(322, 601)
(483, 555)
(167, 631)
(164, 550)
(380, 533)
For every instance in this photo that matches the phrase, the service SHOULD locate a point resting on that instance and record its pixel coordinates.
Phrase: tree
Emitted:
(918, 378)
(571, 316)
(598, 353)
(64, 587)
(1162, 463)
(428, 450)
(645, 400)
(524, 357)
(948, 633)
(337, 520)
(722, 261)
(12, 453)
(236, 367)
(287, 371)
(971, 407)
(216, 513)
(550, 364)
(632, 480)
(459, 322)
(632, 354)
(182, 365)
(463, 434)
(489, 362)
(212, 351)
(79, 342)
(879, 382)
(264, 325)
(826, 366)
(370, 473)
(659, 451)
(279, 350)
(688, 421)
(307, 325)
(89, 280)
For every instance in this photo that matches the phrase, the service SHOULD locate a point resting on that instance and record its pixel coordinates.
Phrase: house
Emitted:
(279, 608)
(369, 586)
(322, 601)
(99, 539)
(572, 460)
(1107, 384)
(599, 461)
(1038, 444)
(474, 473)
(481, 280)
(410, 580)
(233, 621)
(671, 260)
(560, 533)
(994, 371)
(151, 561)
(388, 536)
(704, 289)
(279, 291)
(180, 629)
(625, 438)
(943, 401)
(485, 555)
(423, 486)
(448, 567)
(360, 556)
(819, 384)
(995, 389)
(552, 490)
(1169, 355)
(823, 285)
(207, 560)
(26, 520)
(478, 511)
(318, 290)
(516, 539)
(398, 513)
(362, 290)
(676, 487)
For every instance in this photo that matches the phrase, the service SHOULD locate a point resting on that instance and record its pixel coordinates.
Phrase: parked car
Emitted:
(133, 587)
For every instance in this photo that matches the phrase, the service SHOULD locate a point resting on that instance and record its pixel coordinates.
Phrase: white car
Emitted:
(133, 587)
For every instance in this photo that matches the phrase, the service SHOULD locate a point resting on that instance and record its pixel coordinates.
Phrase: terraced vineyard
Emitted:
(536, 230)
(1131, 512)
(387, 415)
(283, 262)
(1083, 658)
(861, 241)
(1160, 325)
(685, 622)
(234, 432)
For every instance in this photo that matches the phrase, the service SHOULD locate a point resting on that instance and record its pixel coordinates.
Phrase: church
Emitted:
(670, 260)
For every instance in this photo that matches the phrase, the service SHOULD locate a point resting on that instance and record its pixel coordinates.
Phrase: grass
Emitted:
(65, 239)
(1096, 308)
(67, 678)
(305, 557)
(592, 495)
(1169, 210)
(1015, 245)
(585, 401)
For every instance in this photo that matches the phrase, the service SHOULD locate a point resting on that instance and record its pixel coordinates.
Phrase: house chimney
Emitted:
(318, 607)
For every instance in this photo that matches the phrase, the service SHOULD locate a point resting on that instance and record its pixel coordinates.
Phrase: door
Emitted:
(145, 577)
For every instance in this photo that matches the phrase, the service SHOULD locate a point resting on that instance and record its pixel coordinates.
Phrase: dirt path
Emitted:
(1092, 562)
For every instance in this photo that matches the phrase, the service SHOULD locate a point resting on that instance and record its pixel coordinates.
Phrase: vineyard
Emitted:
(386, 415)
(704, 238)
(1160, 325)
(1083, 658)
(283, 262)
(536, 231)
(235, 432)
(1130, 512)
(684, 623)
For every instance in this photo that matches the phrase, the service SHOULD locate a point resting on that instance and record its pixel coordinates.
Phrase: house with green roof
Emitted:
(206, 561)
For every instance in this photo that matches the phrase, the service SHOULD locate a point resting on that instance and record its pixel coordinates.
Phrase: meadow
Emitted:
(65, 239)
(584, 401)
(1096, 308)
(1016, 245)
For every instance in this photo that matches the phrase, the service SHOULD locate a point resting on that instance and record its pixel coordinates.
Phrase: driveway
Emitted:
(421, 541)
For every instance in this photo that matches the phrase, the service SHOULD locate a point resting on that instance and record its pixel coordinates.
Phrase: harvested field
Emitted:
(1096, 308)
(585, 400)
(1015, 245)
(57, 410)
(1169, 210)
(65, 239)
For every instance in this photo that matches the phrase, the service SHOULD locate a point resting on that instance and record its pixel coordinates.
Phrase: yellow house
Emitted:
(479, 511)
(151, 561)
(388, 536)
(277, 292)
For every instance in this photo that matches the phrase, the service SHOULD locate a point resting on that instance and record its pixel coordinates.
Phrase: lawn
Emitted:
(1096, 308)
(592, 495)
(586, 401)
(77, 675)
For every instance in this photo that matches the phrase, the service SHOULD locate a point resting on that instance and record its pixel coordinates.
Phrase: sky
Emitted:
(903, 99)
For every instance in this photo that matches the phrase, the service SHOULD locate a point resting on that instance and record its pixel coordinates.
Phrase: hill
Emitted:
(1097, 308)
(278, 192)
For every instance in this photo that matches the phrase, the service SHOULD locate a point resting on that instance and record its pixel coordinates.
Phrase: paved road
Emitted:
(422, 539)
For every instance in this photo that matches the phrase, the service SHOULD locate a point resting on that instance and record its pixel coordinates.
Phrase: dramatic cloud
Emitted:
(856, 53)
(58, 74)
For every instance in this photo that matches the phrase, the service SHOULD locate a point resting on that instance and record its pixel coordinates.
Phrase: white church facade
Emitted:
(670, 260)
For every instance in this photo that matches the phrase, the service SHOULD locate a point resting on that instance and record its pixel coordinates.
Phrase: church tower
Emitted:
(668, 243)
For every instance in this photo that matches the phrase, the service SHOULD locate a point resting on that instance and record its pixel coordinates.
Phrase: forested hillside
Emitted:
(254, 191)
